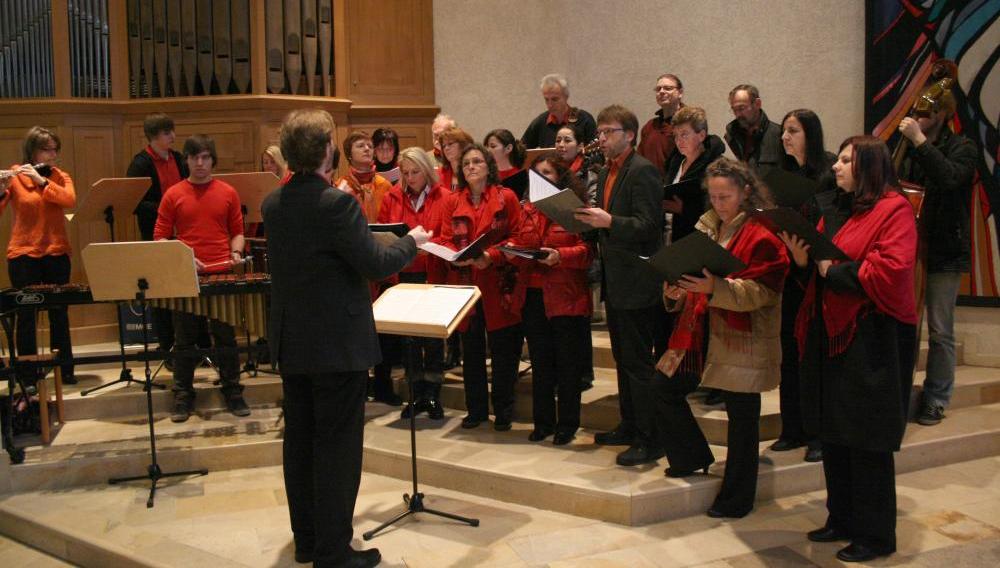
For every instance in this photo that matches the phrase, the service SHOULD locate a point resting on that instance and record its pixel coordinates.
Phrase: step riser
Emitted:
(131, 400)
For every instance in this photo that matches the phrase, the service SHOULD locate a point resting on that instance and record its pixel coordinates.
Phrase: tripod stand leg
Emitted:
(467, 520)
(371, 534)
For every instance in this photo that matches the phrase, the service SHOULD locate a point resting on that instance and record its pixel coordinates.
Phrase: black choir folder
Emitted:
(387, 233)
(524, 252)
(690, 255)
(788, 189)
(557, 204)
(793, 223)
(471, 252)
(423, 310)
(688, 191)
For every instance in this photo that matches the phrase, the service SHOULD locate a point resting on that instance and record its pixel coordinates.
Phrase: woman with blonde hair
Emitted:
(272, 161)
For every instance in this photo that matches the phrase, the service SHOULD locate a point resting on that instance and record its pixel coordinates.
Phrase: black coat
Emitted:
(541, 134)
(145, 212)
(322, 256)
(636, 208)
(945, 168)
(768, 149)
(683, 223)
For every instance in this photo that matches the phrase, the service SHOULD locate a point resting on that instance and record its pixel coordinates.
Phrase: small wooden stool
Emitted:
(43, 392)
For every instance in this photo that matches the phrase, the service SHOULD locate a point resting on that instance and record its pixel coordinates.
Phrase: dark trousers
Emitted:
(861, 495)
(790, 392)
(505, 351)
(739, 483)
(187, 328)
(423, 358)
(163, 324)
(682, 439)
(322, 447)
(632, 335)
(25, 271)
(558, 348)
(390, 346)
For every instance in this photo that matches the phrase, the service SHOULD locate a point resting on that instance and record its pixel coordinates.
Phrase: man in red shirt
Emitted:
(204, 214)
(656, 142)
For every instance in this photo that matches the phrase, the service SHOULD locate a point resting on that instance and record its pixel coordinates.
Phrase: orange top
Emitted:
(613, 167)
(39, 225)
(369, 195)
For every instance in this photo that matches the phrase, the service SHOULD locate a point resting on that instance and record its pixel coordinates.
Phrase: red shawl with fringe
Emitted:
(884, 241)
(766, 262)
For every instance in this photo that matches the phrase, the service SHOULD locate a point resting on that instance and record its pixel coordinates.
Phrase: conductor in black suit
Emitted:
(629, 223)
(322, 335)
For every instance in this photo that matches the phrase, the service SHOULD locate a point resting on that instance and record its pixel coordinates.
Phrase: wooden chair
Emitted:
(48, 360)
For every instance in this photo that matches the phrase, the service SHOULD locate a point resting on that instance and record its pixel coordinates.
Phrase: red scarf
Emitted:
(884, 241)
(363, 177)
(767, 263)
(577, 163)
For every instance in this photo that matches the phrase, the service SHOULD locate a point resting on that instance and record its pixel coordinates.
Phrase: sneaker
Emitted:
(237, 406)
(182, 410)
(930, 414)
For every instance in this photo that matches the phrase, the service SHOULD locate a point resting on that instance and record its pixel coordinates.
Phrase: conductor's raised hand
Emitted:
(797, 246)
(420, 235)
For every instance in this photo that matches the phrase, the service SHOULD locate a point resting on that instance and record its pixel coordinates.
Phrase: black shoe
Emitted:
(716, 513)
(638, 455)
(785, 444)
(617, 437)
(714, 398)
(930, 414)
(390, 398)
(182, 410)
(303, 556)
(361, 559)
(814, 455)
(855, 552)
(408, 409)
(539, 434)
(434, 409)
(563, 438)
(69, 379)
(827, 534)
(471, 421)
(502, 424)
(679, 473)
(237, 406)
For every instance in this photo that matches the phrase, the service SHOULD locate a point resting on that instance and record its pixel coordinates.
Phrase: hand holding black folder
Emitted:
(691, 255)
(793, 223)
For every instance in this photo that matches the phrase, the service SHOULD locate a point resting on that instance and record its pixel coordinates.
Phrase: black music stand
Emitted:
(137, 272)
(400, 320)
(106, 196)
(252, 187)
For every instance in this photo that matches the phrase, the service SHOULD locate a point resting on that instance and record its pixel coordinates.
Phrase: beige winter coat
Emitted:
(735, 362)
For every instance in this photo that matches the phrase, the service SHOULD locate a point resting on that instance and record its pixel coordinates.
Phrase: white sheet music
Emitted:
(438, 305)
(539, 188)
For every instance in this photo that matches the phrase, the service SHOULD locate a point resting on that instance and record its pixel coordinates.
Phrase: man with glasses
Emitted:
(541, 133)
(628, 223)
(656, 142)
(751, 136)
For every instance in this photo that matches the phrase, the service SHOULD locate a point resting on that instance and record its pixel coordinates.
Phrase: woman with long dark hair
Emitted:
(556, 314)
(856, 332)
(509, 153)
(804, 154)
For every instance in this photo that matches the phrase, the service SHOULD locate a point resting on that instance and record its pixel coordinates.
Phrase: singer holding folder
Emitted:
(856, 332)
(39, 249)
(483, 206)
(741, 314)
(322, 335)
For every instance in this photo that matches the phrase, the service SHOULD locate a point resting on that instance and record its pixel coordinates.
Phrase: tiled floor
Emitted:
(949, 516)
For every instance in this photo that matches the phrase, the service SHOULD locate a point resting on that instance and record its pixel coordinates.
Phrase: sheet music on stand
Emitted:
(423, 310)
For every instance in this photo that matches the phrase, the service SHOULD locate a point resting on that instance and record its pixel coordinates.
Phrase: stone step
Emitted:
(580, 479)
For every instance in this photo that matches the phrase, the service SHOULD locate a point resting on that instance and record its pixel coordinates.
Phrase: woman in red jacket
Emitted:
(481, 206)
(509, 153)
(39, 249)
(557, 306)
(454, 141)
(416, 200)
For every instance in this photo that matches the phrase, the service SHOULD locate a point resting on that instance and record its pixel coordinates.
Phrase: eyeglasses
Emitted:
(667, 88)
(606, 132)
(473, 162)
(685, 135)
(50, 149)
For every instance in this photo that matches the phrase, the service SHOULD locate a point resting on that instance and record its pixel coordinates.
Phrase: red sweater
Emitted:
(205, 217)
(397, 207)
(565, 291)
(39, 225)
(462, 223)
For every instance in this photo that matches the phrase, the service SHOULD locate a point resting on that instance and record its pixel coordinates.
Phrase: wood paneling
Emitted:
(389, 51)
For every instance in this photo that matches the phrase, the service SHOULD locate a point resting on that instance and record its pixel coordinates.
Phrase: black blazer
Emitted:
(685, 221)
(145, 212)
(322, 256)
(636, 209)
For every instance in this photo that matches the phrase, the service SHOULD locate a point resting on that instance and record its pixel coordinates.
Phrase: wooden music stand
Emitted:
(423, 310)
(530, 155)
(139, 271)
(252, 188)
(109, 196)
